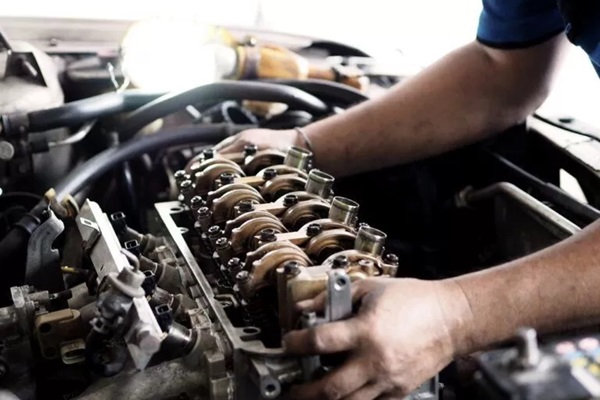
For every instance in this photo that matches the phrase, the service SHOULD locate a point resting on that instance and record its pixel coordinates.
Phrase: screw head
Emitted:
(203, 212)
(196, 202)
(314, 229)
(391, 258)
(290, 200)
(340, 262)
(245, 206)
(269, 174)
(234, 263)
(208, 153)
(186, 185)
(214, 230)
(268, 235)
(250, 149)
(291, 268)
(180, 175)
(222, 242)
(226, 178)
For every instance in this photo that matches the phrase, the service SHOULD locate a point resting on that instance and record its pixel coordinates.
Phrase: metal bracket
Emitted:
(337, 307)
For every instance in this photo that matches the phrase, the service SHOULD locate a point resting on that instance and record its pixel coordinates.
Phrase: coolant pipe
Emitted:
(469, 196)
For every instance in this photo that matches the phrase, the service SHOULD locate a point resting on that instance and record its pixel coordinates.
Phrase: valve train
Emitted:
(204, 299)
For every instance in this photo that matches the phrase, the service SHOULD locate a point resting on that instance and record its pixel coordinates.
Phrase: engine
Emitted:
(138, 262)
(215, 286)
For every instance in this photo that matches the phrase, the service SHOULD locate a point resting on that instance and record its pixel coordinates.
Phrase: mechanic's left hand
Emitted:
(400, 337)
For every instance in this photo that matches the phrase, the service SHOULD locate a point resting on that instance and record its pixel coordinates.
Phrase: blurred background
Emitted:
(423, 30)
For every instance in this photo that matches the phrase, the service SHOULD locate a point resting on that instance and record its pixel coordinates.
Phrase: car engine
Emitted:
(139, 262)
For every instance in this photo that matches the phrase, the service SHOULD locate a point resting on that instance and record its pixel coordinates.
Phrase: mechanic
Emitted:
(407, 330)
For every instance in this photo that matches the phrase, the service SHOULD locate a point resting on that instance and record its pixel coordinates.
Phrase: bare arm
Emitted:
(556, 288)
(471, 93)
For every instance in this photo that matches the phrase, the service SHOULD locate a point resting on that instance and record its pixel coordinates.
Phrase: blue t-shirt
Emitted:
(523, 23)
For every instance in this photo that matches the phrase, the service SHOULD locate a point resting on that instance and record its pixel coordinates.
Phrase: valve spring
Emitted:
(262, 317)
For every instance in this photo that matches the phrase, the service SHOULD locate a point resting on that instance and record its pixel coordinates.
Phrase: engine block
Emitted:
(203, 301)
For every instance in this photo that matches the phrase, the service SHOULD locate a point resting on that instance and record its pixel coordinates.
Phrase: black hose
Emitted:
(230, 90)
(329, 92)
(92, 169)
(13, 250)
(78, 112)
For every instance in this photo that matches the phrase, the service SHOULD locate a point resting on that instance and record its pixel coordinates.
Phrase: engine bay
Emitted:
(141, 263)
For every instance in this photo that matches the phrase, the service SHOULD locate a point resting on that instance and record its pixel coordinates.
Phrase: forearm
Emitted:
(462, 98)
(551, 289)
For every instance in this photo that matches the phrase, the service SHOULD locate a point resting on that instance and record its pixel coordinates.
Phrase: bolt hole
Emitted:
(183, 230)
(251, 330)
(270, 390)
(340, 283)
(566, 120)
(176, 210)
(45, 328)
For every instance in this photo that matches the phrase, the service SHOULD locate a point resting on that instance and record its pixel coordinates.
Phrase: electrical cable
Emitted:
(229, 90)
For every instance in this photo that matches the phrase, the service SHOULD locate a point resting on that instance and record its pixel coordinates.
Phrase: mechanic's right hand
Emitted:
(262, 138)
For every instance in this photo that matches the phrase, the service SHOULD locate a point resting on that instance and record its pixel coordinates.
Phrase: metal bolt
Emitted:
(208, 153)
(250, 150)
(314, 229)
(234, 263)
(291, 268)
(226, 178)
(203, 212)
(269, 174)
(187, 190)
(245, 206)
(186, 185)
(242, 277)
(180, 176)
(268, 235)
(340, 262)
(391, 258)
(214, 231)
(222, 243)
(290, 200)
(196, 202)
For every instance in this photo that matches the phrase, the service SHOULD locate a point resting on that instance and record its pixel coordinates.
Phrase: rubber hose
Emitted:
(329, 92)
(78, 112)
(95, 167)
(233, 90)
(13, 250)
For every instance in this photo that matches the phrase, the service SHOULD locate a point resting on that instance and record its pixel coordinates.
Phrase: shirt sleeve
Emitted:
(518, 23)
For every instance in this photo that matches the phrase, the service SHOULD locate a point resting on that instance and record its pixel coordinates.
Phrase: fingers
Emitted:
(333, 337)
(337, 384)
(367, 392)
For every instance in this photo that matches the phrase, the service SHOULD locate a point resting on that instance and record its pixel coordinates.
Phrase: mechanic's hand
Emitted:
(399, 339)
(262, 138)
